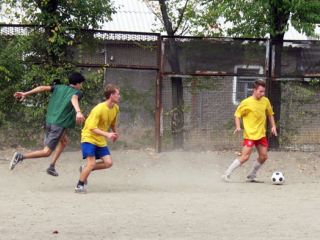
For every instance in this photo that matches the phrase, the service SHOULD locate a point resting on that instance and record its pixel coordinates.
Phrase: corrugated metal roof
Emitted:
(135, 16)
(132, 15)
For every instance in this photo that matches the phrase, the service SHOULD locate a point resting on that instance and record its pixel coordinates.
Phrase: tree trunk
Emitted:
(279, 20)
(50, 8)
(177, 120)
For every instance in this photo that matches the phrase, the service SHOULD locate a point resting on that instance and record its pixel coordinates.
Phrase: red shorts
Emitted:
(262, 141)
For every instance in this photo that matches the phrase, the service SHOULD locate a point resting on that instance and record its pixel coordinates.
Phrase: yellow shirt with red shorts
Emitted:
(254, 114)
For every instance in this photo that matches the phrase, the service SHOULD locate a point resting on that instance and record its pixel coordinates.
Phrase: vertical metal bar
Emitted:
(272, 88)
(105, 64)
(268, 73)
(158, 112)
(268, 67)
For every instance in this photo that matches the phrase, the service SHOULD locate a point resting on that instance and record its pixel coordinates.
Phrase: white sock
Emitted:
(255, 167)
(235, 164)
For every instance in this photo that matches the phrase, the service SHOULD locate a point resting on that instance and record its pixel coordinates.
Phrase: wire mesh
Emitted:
(300, 59)
(300, 116)
(210, 103)
(216, 74)
(137, 121)
(102, 48)
(111, 49)
(129, 60)
(221, 56)
(208, 113)
(16, 30)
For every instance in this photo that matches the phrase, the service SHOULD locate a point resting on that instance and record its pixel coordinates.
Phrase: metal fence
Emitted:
(186, 89)
(217, 73)
(129, 60)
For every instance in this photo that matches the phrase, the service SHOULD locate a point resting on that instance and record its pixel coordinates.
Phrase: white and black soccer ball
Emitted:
(277, 178)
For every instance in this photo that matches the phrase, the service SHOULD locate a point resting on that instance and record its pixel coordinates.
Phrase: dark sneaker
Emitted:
(17, 157)
(80, 189)
(80, 170)
(52, 171)
(253, 179)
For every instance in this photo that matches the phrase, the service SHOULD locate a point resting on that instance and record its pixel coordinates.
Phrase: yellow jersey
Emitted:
(102, 117)
(254, 114)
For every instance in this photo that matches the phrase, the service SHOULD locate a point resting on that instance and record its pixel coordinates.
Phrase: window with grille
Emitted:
(243, 83)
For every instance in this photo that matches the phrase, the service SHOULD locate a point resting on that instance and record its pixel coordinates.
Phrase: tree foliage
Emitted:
(260, 18)
(177, 17)
(61, 21)
(44, 54)
(71, 13)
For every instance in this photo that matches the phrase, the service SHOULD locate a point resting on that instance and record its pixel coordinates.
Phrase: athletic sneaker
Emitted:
(17, 157)
(80, 189)
(52, 171)
(253, 179)
(80, 170)
(226, 178)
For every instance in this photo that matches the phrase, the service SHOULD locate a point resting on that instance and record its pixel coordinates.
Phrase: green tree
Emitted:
(261, 18)
(176, 16)
(61, 21)
(44, 54)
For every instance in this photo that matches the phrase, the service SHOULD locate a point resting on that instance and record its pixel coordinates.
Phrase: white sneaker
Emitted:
(80, 189)
(226, 178)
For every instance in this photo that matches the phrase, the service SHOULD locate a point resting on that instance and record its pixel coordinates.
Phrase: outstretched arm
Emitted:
(75, 104)
(273, 125)
(23, 95)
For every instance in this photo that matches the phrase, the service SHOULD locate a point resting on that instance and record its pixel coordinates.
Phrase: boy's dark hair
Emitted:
(55, 82)
(258, 83)
(76, 77)
(110, 89)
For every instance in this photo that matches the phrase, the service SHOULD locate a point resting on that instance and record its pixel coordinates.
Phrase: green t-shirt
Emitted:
(60, 110)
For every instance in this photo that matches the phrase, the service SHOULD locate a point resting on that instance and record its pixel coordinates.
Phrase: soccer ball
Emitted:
(277, 178)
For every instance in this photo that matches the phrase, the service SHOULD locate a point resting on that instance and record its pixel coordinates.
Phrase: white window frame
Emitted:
(235, 78)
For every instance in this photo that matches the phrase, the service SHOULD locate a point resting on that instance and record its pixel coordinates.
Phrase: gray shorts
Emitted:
(53, 134)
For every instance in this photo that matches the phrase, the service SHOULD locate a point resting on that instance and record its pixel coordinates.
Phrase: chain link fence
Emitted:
(217, 74)
(191, 86)
(129, 60)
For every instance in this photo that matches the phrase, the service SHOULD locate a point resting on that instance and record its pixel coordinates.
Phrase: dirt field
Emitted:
(172, 195)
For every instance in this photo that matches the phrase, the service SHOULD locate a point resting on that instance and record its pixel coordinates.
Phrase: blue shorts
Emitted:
(89, 149)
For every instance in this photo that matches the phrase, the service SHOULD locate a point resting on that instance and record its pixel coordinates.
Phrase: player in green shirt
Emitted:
(63, 112)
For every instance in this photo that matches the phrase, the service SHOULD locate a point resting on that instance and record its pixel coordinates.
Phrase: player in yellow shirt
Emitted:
(94, 135)
(253, 111)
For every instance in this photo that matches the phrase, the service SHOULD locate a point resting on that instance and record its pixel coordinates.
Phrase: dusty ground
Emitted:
(172, 195)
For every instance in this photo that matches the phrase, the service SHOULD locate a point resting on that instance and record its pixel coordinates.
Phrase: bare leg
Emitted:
(61, 145)
(245, 155)
(45, 152)
(105, 163)
(91, 162)
(262, 151)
